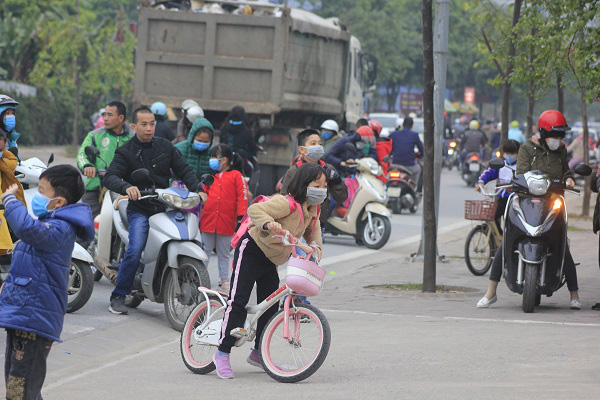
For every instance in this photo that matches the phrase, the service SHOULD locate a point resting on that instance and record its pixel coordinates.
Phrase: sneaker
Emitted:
(575, 305)
(254, 358)
(117, 306)
(221, 361)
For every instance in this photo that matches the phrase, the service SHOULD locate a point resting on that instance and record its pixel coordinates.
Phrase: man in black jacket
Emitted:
(159, 157)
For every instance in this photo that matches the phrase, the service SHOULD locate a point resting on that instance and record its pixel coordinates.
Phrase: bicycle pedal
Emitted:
(239, 332)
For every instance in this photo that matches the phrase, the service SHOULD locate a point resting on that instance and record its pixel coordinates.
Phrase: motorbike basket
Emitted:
(480, 210)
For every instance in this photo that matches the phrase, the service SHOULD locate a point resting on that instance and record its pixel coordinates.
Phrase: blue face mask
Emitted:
(200, 146)
(214, 164)
(510, 159)
(326, 135)
(39, 204)
(10, 121)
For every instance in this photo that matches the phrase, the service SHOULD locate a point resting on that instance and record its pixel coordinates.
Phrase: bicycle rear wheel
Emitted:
(479, 250)
(293, 360)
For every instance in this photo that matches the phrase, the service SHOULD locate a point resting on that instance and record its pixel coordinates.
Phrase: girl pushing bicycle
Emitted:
(258, 254)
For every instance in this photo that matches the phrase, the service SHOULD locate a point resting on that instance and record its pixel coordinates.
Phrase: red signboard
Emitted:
(469, 95)
(411, 102)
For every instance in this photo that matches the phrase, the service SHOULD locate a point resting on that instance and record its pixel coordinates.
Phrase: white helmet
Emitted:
(330, 125)
(187, 104)
(193, 113)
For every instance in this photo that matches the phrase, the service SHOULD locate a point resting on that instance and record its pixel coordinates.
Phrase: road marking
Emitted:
(399, 243)
(510, 321)
(90, 371)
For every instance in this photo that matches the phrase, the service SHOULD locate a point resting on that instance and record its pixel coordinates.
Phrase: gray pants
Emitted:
(92, 198)
(222, 244)
(415, 170)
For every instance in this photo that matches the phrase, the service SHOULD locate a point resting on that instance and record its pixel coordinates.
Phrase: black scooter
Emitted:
(535, 234)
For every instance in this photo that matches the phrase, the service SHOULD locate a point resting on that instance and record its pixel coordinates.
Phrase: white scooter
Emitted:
(81, 282)
(173, 264)
(367, 218)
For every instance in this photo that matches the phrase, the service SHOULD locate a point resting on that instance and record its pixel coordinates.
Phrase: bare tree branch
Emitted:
(489, 47)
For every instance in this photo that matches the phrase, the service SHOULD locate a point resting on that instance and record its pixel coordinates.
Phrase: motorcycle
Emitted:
(451, 157)
(367, 218)
(402, 190)
(472, 169)
(173, 264)
(535, 234)
(81, 284)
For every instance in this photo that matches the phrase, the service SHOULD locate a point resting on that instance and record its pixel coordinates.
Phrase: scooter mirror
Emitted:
(91, 153)
(142, 176)
(207, 179)
(50, 159)
(583, 170)
(15, 151)
(496, 163)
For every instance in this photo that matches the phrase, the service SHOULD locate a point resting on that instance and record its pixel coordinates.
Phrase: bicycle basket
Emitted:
(304, 277)
(480, 210)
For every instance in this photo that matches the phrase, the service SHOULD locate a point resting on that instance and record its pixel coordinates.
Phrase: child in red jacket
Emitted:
(227, 201)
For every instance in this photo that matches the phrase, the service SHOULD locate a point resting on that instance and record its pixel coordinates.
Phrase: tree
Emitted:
(429, 211)
(81, 57)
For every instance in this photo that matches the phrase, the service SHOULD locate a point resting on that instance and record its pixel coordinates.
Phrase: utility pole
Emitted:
(440, 56)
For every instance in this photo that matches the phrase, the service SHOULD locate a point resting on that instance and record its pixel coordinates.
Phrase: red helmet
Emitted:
(553, 123)
(376, 126)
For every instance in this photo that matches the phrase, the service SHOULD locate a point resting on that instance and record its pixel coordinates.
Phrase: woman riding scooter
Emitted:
(546, 153)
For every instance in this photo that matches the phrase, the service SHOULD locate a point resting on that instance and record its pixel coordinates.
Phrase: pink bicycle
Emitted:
(295, 341)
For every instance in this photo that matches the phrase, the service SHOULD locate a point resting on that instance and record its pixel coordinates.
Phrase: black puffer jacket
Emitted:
(240, 139)
(159, 157)
(163, 130)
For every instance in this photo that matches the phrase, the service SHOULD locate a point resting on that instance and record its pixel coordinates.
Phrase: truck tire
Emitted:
(532, 275)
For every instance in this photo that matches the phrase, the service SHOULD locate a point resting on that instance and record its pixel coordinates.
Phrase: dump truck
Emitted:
(290, 69)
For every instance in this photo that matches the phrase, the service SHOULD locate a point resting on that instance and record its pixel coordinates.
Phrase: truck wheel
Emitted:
(81, 285)
(532, 277)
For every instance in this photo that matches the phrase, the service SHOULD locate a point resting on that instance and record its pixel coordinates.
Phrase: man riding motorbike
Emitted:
(329, 133)
(473, 141)
(159, 157)
(546, 153)
(8, 120)
(340, 156)
(191, 110)
(107, 140)
(404, 143)
(162, 128)
(236, 134)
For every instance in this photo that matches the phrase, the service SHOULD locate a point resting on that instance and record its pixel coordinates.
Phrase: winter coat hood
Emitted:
(76, 215)
(197, 125)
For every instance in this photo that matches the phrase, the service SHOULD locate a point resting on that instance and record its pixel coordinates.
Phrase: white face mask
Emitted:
(553, 143)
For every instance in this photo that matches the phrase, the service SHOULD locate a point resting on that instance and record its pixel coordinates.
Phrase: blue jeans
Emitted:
(138, 236)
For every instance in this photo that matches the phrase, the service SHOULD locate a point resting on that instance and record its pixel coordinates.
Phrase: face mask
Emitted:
(316, 195)
(39, 204)
(315, 152)
(553, 143)
(214, 164)
(10, 121)
(201, 146)
(510, 158)
(326, 135)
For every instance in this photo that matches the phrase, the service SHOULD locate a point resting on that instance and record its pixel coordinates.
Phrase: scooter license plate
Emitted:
(474, 167)
(393, 192)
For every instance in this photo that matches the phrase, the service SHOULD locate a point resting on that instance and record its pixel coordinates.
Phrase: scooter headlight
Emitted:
(176, 201)
(538, 187)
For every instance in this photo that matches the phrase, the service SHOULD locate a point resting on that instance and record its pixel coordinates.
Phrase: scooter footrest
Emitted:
(239, 332)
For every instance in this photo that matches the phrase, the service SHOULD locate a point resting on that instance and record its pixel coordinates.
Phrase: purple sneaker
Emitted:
(221, 361)
(254, 359)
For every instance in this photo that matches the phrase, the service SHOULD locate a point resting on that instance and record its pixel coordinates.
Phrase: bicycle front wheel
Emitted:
(295, 359)
(479, 250)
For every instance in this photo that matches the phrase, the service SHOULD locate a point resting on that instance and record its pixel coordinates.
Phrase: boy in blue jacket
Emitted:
(33, 299)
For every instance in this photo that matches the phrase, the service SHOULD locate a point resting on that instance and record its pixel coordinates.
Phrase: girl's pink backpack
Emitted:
(246, 221)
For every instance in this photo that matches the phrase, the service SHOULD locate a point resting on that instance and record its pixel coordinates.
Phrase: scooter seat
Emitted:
(122, 207)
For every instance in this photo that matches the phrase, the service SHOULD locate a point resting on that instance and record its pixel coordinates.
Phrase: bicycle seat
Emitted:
(122, 207)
